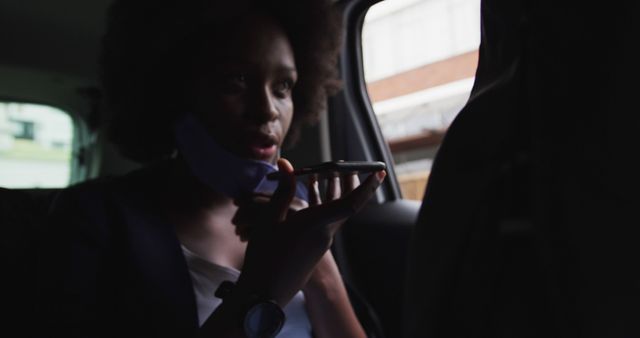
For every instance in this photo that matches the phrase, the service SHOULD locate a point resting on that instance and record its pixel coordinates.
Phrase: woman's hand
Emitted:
(252, 210)
(283, 251)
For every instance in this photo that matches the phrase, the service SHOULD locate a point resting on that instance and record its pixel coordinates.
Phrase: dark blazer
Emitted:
(109, 266)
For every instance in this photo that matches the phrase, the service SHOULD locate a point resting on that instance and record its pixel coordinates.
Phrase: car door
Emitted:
(373, 248)
(407, 68)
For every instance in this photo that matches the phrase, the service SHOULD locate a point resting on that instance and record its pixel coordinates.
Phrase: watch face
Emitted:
(264, 319)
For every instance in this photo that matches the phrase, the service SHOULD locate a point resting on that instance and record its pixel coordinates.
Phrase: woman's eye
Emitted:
(283, 87)
(235, 82)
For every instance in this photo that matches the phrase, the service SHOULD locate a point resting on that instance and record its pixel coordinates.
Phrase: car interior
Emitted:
(528, 224)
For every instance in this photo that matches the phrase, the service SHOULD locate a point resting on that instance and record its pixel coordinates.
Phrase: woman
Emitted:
(204, 94)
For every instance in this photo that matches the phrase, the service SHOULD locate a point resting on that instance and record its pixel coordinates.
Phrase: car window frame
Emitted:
(354, 98)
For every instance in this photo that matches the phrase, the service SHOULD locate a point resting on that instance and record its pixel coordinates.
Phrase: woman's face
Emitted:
(243, 87)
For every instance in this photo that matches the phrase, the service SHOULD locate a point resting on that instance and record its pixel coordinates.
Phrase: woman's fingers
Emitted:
(344, 207)
(314, 191)
(333, 187)
(349, 182)
(283, 196)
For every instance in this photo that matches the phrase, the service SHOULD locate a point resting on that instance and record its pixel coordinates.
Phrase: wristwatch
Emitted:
(260, 317)
(263, 319)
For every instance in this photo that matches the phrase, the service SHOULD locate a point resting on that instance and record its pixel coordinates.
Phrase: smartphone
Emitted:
(340, 167)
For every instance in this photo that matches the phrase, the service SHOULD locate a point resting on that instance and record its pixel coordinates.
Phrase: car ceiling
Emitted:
(60, 36)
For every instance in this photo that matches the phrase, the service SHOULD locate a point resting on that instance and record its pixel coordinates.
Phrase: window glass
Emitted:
(420, 58)
(35, 146)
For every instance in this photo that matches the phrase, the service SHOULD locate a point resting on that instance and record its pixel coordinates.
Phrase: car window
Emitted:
(35, 146)
(419, 59)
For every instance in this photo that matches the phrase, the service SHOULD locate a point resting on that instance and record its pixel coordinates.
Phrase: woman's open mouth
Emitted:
(262, 146)
(264, 152)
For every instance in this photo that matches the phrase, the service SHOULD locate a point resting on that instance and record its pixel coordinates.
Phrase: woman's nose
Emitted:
(265, 109)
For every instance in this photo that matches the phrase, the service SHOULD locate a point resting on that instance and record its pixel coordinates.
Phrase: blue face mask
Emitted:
(221, 170)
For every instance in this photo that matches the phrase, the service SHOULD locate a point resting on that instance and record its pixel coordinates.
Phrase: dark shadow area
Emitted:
(529, 224)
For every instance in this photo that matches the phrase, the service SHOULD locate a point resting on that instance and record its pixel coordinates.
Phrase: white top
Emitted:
(207, 276)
